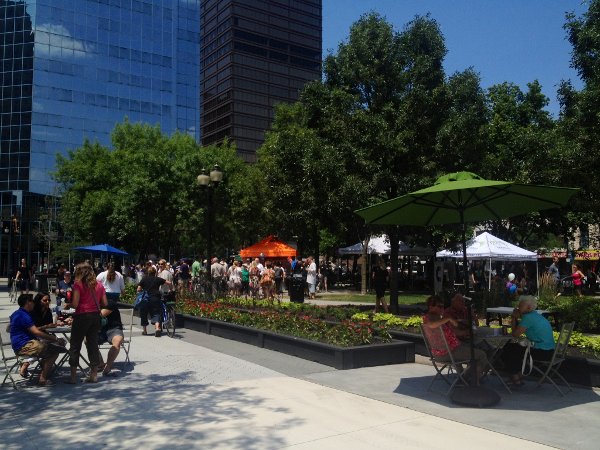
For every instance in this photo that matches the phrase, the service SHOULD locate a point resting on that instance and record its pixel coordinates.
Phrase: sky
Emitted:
(503, 40)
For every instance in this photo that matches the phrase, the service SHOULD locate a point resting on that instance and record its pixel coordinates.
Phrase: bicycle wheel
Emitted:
(13, 292)
(169, 320)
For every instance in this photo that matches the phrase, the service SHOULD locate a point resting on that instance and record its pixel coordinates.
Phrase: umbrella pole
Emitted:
(472, 395)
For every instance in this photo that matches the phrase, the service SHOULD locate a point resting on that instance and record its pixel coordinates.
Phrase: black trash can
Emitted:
(42, 282)
(296, 288)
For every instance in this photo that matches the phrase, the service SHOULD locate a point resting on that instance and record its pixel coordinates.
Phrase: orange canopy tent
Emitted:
(270, 247)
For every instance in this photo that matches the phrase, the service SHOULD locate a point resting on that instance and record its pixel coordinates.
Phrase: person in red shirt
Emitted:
(434, 319)
(577, 277)
(88, 298)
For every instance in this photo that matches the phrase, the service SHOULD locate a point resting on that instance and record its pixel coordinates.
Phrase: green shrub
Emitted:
(585, 312)
(547, 291)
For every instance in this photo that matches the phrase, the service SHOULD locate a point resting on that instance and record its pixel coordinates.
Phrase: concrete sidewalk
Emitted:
(200, 391)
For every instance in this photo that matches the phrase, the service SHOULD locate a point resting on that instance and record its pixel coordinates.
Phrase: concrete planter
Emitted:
(396, 352)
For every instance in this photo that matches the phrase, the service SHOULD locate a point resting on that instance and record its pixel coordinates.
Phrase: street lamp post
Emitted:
(209, 182)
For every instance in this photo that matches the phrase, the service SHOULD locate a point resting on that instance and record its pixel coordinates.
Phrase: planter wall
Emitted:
(397, 352)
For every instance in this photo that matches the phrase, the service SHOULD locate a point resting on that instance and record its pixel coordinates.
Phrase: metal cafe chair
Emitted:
(550, 369)
(449, 371)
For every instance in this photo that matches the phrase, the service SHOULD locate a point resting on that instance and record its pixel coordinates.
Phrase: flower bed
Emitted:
(346, 333)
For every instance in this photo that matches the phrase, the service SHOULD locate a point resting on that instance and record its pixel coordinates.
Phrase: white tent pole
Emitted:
(490, 276)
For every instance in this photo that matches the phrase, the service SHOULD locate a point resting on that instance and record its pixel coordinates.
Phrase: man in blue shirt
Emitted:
(24, 338)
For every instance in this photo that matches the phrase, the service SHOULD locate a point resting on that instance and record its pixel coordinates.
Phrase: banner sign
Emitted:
(580, 255)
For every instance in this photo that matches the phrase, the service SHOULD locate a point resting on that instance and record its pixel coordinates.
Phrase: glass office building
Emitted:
(255, 54)
(71, 70)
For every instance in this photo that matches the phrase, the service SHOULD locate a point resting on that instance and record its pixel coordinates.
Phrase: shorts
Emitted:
(108, 335)
(37, 348)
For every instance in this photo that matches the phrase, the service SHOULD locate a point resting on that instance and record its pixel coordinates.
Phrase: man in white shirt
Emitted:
(311, 276)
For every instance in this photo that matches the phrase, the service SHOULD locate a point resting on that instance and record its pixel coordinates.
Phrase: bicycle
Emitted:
(168, 316)
(13, 292)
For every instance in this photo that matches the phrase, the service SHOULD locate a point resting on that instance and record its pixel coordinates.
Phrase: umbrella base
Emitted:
(475, 396)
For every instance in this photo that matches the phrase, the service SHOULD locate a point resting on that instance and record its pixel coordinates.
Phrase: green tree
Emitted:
(143, 195)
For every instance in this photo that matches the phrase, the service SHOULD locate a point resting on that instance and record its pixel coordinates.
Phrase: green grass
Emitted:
(403, 299)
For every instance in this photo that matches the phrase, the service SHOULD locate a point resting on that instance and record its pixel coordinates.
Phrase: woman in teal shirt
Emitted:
(525, 320)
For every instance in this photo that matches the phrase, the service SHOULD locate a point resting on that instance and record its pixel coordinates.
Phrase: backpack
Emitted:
(267, 277)
(141, 299)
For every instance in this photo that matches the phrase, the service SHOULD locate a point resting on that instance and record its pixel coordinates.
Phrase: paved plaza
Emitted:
(200, 391)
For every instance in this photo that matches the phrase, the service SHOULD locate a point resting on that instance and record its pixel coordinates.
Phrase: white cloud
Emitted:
(47, 35)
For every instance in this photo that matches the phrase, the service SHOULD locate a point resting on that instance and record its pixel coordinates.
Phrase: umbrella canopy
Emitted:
(487, 246)
(101, 248)
(269, 247)
(465, 197)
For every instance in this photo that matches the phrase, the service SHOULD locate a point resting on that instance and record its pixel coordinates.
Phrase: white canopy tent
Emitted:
(489, 247)
(380, 245)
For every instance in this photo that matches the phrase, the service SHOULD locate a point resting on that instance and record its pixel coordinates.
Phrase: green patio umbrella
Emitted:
(465, 197)
(460, 198)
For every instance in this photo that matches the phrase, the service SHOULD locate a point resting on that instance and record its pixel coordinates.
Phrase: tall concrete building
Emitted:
(255, 54)
(71, 70)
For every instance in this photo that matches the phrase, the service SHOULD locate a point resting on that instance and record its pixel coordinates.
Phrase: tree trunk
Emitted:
(363, 267)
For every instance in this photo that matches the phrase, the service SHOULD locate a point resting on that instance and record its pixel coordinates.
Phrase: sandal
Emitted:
(27, 375)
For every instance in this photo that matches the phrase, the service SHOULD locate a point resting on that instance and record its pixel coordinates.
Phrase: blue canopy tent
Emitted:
(102, 248)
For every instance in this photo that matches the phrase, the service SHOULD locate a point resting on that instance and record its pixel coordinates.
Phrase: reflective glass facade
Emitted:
(255, 54)
(71, 69)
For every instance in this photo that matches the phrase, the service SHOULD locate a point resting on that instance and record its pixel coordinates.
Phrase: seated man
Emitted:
(459, 312)
(63, 291)
(25, 338)
(460, 351)
(113, 334)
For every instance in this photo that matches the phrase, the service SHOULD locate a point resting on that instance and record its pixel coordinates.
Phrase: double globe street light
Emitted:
(209, 182)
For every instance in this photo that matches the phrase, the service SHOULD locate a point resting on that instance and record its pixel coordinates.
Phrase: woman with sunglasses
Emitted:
(434, 319)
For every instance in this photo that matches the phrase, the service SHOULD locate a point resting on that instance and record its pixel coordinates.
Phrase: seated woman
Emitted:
(525, 320)
(42, 314)
(460, 351)
(112, 333)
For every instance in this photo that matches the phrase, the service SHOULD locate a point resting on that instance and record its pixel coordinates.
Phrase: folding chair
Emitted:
(452, 367)
(127, 340)
(548, 369)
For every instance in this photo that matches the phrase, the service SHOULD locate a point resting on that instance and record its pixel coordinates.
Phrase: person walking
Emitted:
(88, 297)
(151, 284)
(380, 276)
(578, 279)
(24, 276)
